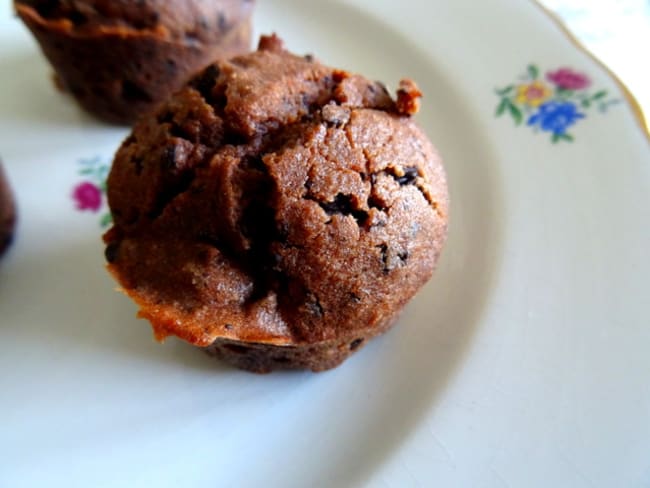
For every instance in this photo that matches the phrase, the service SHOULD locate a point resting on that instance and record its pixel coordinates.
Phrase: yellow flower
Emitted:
(533, 94)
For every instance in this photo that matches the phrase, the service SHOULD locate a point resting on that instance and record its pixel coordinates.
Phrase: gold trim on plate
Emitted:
(634, 105)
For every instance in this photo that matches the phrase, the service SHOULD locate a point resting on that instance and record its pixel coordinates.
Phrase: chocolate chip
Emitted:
(138, 163)
(171, 66)
(382, 87)
(77, 18)
(254, 163)
(110, 253)
(384, 257)
(410, 175)
(131, 92)
(206, 81)
(275, 260)
(191, 37)
(314, 306)
(222, 22)
(165, 117)
(335, 115)
(168, 157)
(342, 204)
(355, 298)
(205, 237)
(392, 258)
(354, 345)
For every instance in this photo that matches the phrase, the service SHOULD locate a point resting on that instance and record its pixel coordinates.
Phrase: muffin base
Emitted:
(318, 356)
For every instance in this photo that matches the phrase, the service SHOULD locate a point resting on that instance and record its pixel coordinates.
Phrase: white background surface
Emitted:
(618, 32)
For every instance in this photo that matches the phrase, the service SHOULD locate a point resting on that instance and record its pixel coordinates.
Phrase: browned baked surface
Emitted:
(7, 213)
(120, 58)
(279, 205)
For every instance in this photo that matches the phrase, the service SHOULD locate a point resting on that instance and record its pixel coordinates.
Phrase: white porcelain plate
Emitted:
(525, 362)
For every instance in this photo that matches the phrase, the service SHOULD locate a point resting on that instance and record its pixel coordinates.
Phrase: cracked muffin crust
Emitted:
(277, 212)
(7, 213)
(120, 58)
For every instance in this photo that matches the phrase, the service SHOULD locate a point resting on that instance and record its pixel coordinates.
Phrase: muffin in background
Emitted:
(7, 213)
(120, 58)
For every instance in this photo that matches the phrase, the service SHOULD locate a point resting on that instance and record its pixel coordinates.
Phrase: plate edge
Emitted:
(639, 116)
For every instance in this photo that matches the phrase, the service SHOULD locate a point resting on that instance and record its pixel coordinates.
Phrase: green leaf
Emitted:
(86, 171)
(598, 95)
(564, 93)
(505, 91)
(566, 137)
(555, 138)
(586, 103)
(516, 114)
(106, 220)
(502, 107)
(89, 162)
(101, 173)
(533, 71)
(603, 106)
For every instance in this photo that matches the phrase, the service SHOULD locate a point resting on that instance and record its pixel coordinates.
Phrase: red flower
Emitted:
(568, 79)
(87, 196)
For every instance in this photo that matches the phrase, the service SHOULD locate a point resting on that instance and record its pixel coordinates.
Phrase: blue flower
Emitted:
(555, 116)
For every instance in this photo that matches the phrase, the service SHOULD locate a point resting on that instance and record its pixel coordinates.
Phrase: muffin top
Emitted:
(278, 200)
(187, 20)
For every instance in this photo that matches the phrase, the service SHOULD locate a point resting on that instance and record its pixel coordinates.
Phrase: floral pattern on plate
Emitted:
(89, 195)
(553, 103)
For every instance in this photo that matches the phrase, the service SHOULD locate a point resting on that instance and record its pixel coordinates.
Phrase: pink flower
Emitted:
(568, 79)
(87, 196)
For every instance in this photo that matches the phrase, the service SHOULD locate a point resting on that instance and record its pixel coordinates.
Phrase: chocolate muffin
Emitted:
(277, 212)
(7, 213)
(120, 58)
